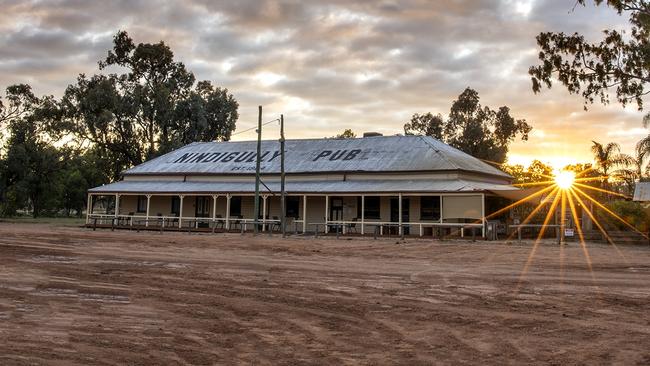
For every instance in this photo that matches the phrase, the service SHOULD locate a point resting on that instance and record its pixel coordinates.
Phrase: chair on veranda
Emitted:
(275, 225)
(219, 224)
(352, 226)
(236, 222)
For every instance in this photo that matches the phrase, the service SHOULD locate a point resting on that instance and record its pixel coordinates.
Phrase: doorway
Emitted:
(394, 214)
(202, 209)
(336, 209)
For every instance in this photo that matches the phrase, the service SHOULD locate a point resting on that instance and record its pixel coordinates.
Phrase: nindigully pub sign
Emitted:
(265, 157)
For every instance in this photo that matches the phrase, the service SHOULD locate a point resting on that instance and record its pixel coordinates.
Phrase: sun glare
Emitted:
(565, 190)
(564, 179)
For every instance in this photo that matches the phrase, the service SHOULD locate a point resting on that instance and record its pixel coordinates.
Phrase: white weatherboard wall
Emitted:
(454, 207)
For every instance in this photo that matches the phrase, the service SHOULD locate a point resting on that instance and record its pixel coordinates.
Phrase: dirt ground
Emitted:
(71, 296)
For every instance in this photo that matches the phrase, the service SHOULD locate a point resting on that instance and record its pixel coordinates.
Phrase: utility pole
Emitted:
(283, 202)
(257, 171)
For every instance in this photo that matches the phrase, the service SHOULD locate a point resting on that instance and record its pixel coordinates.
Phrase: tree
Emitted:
(472, 128)
(346, 134)
(425, 124)
(31, 169)
(642, 152)
(607, 157)
(20, 100)
(80, 171)
(536, 172)
(152, 108)
(619, 61)
(635, 168)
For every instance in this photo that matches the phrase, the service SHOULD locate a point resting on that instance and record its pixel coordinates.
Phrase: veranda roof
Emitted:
(306, 187)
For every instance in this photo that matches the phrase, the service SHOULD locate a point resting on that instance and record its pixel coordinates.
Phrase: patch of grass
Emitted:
(56, 221)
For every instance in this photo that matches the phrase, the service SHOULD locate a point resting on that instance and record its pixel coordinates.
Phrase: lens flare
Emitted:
(564, 179)
(566, 190)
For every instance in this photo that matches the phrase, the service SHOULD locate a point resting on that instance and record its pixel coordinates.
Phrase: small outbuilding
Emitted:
(641, 192)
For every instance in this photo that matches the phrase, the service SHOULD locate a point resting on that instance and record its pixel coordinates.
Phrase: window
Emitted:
(430, 208)
(176, 206)
(372, 208)
(142, 204)
(235, 206)
(293, 207)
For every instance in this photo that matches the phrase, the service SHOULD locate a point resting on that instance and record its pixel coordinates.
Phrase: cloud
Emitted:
(331, 65)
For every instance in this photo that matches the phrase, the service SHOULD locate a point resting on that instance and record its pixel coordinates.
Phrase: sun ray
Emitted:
(534, 212)
(591, 179)
(537, 241)
(581, 237)
(562, 228)
(602, 190)
(598, 225)
(610, 212)
(515, 204)
(585, 171)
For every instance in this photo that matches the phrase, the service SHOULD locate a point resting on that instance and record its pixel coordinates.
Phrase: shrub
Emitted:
(632, 212)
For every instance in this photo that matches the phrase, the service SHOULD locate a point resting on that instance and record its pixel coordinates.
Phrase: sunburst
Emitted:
(567, 189)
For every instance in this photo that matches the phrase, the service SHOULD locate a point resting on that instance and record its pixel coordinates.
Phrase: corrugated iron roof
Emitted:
(366, 186)
(642, 192)
(371, 154)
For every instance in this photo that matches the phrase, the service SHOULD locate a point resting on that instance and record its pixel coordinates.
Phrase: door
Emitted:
(336, 209)
(336, 212)
(202, 209)
(394, 213)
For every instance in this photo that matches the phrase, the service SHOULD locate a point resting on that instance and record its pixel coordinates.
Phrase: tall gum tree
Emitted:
(470, 127)
(155, 106)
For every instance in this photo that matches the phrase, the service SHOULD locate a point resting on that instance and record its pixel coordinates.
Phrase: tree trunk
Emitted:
(35, 208)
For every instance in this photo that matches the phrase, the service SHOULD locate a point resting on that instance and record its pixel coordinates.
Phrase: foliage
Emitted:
(609, 156)
(108, 123)
(20, 99)
(536, 172)
(152, 108)
(630, 211)
(425, 124)
(635, 169)
(30, 169)
(619, 61)
(346, 134)
(472, 128)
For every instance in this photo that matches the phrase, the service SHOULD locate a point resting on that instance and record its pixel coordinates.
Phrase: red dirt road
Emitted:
(70, 296)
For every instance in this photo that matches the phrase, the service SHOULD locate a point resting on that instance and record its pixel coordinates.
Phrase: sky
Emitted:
(332, 65)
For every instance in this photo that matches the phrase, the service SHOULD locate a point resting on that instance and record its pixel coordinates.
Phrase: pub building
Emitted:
(375, 185)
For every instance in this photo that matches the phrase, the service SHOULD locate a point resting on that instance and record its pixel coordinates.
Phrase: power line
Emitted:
(254, 127)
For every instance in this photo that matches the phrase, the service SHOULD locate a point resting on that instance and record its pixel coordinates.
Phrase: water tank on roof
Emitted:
(372, 134)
